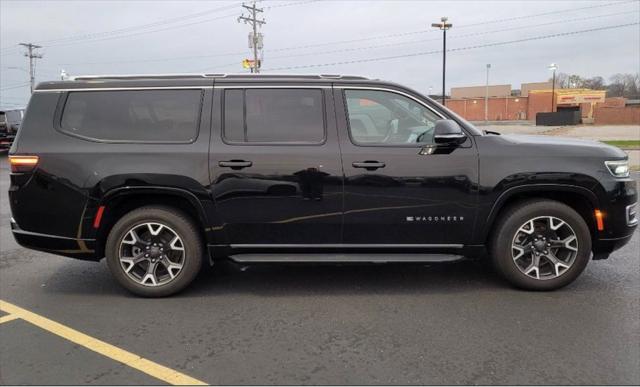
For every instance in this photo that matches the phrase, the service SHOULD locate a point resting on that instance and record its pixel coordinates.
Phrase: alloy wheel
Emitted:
(151, 254)
(544, 247)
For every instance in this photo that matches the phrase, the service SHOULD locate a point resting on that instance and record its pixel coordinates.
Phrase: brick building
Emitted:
(533, 98)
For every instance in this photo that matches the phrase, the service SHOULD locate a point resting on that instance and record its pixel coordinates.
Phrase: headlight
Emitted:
(618, 168)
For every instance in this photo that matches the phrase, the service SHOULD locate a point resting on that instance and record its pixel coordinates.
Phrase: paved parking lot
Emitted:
(378, 324)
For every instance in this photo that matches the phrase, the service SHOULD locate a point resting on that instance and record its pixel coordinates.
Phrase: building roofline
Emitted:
(568, 91)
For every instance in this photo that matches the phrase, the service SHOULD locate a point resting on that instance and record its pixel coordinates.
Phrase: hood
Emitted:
(564, 145)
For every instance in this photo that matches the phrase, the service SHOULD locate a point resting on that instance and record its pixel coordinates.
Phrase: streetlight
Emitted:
(486, 97)
(553, 67)
(444, 26)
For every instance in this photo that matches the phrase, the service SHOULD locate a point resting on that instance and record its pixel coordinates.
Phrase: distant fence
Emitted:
(558, 118)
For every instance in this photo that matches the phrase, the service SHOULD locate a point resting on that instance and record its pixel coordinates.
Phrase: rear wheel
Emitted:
(541, 245)
(154, 251)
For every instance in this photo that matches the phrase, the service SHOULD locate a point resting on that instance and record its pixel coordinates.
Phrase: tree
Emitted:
(562, 80)
(620, 85)
(595, 83)
(624, 85)
(574, 81)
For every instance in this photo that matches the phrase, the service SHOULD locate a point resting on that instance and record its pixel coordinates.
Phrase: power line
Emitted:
(137, 27)
(422, 41)
(15, 86)
(370, 38)
(454, 49)
(11, 50)
(107, 37)
(502, 20)
(118, 34)
(142, 32)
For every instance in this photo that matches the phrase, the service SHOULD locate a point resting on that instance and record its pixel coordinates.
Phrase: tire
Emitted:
(158, 270)
(523, 225)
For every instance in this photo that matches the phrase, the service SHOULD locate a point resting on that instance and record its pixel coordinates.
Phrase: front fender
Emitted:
(493, 199)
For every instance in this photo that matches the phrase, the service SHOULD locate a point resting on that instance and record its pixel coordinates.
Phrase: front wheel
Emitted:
(541, 245)
(154, 251)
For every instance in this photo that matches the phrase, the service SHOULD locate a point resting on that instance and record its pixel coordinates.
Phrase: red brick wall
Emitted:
(612, 111)
(538, 103)
(604, 115)
(457, 105)
(613, 102)
(500, 109)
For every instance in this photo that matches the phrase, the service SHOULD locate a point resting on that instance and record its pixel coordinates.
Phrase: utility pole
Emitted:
(32, 64)
(255, 38)
(486, 97)
(444, 26)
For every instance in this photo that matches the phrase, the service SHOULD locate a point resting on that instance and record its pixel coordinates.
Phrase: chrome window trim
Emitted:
(62, 102)
(325, 122)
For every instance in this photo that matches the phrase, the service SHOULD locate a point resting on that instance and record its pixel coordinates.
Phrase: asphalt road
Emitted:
(380, 324)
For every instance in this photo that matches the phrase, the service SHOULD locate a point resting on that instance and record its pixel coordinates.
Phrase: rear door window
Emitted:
(274, 116)
(133, 115)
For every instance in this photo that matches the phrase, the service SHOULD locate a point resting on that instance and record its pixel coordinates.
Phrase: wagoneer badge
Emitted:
(435, 218)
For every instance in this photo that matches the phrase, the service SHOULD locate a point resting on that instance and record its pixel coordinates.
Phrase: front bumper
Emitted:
(603, 247)
(68, 247)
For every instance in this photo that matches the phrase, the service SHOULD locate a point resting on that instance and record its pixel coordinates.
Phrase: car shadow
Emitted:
(337, 279)
(277, 279)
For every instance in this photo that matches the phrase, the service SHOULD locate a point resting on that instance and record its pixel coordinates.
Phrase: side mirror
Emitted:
(448, 132)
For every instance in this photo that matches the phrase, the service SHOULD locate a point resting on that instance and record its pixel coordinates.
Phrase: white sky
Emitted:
(215, 42)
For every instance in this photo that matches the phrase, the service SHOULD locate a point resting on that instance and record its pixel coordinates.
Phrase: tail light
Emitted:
(22, 163)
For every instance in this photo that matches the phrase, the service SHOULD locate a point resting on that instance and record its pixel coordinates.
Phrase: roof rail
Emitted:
(212, 75)
(282, 76)
(133, 76)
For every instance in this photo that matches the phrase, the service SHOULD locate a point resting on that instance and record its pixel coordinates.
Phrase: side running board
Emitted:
(345, 258)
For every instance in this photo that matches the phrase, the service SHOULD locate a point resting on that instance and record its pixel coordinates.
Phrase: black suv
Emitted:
(164, 174)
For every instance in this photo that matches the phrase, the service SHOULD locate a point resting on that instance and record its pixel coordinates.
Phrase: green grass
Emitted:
(624, 144)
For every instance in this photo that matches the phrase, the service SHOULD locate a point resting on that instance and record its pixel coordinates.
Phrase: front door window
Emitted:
(385, 118)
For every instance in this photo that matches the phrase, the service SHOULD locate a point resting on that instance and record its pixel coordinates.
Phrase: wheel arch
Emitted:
(581, 199)
(120, 201)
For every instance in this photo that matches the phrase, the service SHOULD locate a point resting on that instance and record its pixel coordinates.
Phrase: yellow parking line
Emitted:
(127, 358)
(7, 318)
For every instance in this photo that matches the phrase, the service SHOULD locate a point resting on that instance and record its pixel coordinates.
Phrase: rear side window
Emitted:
(274, 116)
(133, 115)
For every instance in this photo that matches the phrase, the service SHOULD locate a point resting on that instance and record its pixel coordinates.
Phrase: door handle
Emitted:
(235, 164)
(368, 165)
